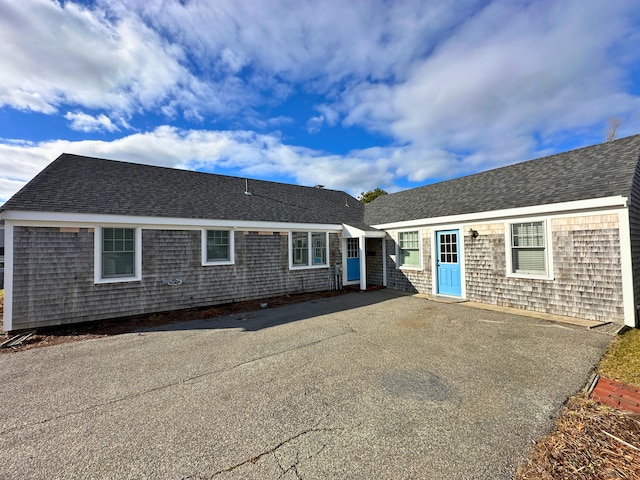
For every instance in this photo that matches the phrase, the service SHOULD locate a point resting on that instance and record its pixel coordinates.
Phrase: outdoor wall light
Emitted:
(473, 233)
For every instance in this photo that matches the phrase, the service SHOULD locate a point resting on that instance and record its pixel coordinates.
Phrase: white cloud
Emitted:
(55, 54)
(88, 123)
(298, 41)
(314, 124)
(244, 152)
(459, 86)
(512, 74)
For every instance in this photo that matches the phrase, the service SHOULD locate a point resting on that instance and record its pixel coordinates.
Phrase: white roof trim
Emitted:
(354, 232)
(28, 218)
(565, 207)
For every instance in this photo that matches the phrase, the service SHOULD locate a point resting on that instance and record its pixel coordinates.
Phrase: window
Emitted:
(117, 254)
(528, 249)
(217, 247)
(409, 249)
(319, 243)
(448, 242)
(308, 249)
(299, 241)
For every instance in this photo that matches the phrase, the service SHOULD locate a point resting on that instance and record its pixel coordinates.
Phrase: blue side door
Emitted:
(449, 262)
(353, 260)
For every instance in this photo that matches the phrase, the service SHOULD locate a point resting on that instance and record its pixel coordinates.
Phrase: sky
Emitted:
(352, 95)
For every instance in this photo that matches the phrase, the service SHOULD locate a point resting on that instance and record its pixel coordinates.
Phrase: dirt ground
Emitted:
(72, 333)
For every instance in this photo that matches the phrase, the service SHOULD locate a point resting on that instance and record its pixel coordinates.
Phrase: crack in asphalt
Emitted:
(169, 385)
(272, 451)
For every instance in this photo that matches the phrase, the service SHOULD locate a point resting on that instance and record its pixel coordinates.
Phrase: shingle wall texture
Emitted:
(587, 273)
(53, 278)
(586, 259)
(406, 280)
(373, 252)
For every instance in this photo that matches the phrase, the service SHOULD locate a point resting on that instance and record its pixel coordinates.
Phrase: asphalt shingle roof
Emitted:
(78, 184)
(587, 173)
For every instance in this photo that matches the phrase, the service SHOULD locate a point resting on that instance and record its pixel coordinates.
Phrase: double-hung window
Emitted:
(217, 247)
(308, 249)
(529, 253)
(409, 249)
(117, 254)
(319, 248)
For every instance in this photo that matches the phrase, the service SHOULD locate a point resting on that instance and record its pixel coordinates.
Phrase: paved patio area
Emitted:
(361, 386)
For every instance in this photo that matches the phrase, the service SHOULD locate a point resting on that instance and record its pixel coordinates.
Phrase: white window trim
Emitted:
(548, 249)
(309, 264)
(232, 250)
(418, 267)
(97, 256)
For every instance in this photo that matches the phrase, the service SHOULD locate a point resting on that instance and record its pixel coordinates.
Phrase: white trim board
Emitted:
(493, 215)
(8, 277)
(49, 219)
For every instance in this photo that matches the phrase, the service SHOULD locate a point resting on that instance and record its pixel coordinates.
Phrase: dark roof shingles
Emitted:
(77, 184)
(591, 172)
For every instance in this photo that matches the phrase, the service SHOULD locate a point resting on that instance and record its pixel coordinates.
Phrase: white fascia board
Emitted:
(564, 207)
(353, 232)
(25, 218)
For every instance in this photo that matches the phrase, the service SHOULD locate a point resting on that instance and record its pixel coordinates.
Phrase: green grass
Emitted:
(621, 361)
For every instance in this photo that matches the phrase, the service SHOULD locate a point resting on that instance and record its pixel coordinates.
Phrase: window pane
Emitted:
(318, 241)
(299, 244)
(410, 257)
(409, 249)
(118, 252)
(529, 260)
(218, 247)
(530, 234)
(527, 243)
(117, 264)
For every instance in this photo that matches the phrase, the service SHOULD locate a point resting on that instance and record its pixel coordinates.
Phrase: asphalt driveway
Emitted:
(361, 386)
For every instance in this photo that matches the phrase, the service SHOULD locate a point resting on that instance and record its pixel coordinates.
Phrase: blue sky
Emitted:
(351, 95)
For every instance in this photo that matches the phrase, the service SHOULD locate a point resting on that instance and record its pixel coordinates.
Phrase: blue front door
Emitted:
(449, 262)
(353, 260)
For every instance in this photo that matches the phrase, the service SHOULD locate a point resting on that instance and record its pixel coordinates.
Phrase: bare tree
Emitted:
(612, 130)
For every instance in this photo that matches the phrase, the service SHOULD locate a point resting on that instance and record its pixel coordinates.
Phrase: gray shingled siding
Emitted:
(373, 254)
(411, 281)
(586, 259)
(53, 279)
(634, 224)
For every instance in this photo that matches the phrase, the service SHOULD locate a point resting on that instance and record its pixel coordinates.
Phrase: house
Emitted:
(91, 239)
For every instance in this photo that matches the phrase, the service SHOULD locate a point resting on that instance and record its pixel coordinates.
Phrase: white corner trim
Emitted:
(97, 258)
(232, 248)
(563, 207)
(8, 276)
(626, 265)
